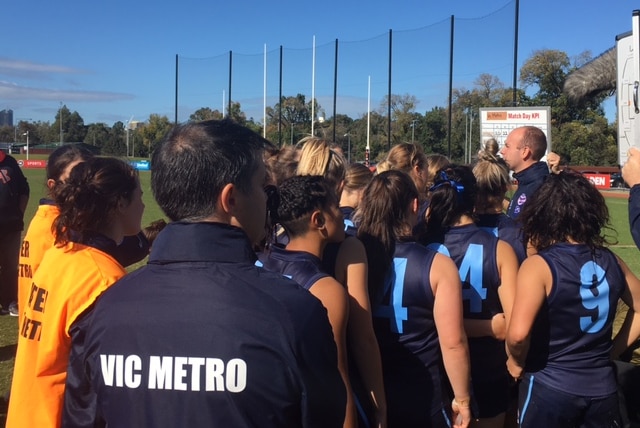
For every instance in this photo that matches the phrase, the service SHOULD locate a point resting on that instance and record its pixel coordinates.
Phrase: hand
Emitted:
(461, 414)
(499, 326)
(514, 368)
(553, 160)
(631, 168)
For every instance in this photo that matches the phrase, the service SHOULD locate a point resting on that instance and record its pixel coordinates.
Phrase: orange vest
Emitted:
(38, 239)
(67, 282)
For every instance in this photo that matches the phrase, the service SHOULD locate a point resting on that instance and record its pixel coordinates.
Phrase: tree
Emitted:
(205, 113)
(296, 115)
(115, 142)
(151, 134)
(98, 135)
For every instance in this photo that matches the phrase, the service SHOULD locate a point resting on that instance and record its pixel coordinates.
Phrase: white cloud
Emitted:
(13, 91)
(33, 70)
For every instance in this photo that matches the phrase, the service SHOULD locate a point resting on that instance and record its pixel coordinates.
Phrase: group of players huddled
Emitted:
(292, 289)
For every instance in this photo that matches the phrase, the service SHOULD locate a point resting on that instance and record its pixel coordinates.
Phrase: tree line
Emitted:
(580, 132)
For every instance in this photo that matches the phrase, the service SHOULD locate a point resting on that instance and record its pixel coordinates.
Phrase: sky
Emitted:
(115, 61)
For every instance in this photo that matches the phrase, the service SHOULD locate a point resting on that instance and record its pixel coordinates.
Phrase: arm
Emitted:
(334, 298)
(631, 174)
(508, 269)
(80, 402)
(22, 187)
(533, 278)
(323, 395)
(496, 327)
(447, 314)
(351, 267)
(634, 213)
(630, 330)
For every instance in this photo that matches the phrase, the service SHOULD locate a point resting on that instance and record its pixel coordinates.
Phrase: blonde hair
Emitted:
(404, 156)
(318, 158)
(491, 146)
(357, 177)
(435, 163)
(383, 166)
(492, 178)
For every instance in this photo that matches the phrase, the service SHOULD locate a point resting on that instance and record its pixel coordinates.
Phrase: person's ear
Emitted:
(123, 204)
(228, 199)
(417, 170)
(51, 183)
(317, 219)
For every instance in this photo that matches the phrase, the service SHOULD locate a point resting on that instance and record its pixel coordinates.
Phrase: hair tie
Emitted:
(444, 179)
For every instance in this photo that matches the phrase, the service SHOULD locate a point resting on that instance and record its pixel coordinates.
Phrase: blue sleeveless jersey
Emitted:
(407, 336)
(300, 266)
(506, 229)
(349, 226)
(571, 337)
(474, 252)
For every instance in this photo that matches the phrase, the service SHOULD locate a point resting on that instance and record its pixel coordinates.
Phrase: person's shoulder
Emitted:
(288, 299)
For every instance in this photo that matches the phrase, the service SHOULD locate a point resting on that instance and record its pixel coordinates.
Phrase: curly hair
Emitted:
(566, 207)
(295, 200)
(88, 198)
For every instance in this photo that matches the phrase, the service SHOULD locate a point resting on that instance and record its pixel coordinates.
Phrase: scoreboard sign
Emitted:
(498, 122)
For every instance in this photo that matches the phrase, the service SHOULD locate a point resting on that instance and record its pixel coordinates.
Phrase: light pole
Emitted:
(60, 118)
(27, 134)
(348, 135)
(413, 129)
(17, 125)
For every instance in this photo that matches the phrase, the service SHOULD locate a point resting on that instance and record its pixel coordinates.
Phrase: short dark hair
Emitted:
(298, 197)
(196, 160)
(534, 138)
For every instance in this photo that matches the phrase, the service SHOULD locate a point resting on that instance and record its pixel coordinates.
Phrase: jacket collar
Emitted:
(532, 173)
(201, 242)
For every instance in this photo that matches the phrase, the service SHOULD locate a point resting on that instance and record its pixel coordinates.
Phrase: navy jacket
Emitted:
(528, 182)
(202, 337)
(634, 213)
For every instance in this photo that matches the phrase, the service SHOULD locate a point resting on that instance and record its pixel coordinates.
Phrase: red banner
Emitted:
(601, 181)
(32, 163)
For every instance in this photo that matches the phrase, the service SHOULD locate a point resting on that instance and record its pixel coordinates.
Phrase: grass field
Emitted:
(624, 247)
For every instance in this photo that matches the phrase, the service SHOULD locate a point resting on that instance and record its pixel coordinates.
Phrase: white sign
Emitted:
(498, 122)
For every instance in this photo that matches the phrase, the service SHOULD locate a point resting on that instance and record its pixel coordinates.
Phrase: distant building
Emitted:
(6, 117)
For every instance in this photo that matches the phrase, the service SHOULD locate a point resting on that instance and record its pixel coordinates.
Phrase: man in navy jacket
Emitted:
(631, 174)
(522, 151)
(201, 336)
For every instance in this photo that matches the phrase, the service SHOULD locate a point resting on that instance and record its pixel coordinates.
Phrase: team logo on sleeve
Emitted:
(522, 199)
